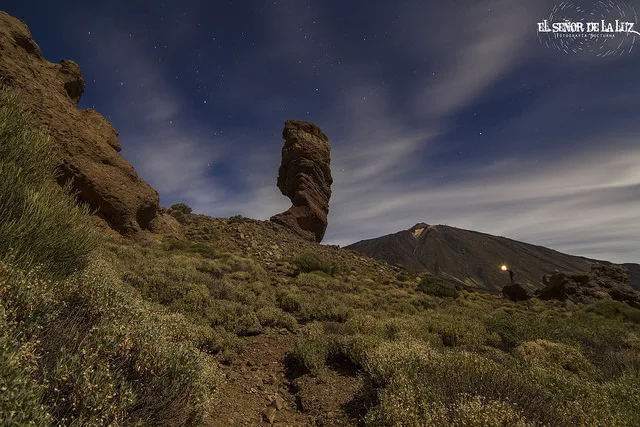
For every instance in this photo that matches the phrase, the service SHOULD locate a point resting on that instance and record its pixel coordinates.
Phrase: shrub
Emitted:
(437, 287)
(273, 316)
(21, 393)
(97, 354)
(408, 408)
(180, 212)
(401, 277)
(182, 208)
(420, 382)
(614, 310)
(391, 358)
(238, 219)
(542, 352)
(207, 251)
(312, 355)
(308, 262)
(39, 222)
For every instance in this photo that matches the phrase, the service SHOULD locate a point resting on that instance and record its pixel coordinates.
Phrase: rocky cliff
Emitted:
(89, 143)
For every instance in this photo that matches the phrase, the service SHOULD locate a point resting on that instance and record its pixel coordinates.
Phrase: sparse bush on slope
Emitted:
(437, 287)
(308, 262)
(90, 351)
(614, 310)
(181, 212)
(39, 222)
(77, 346)
(181, 207)
(556, 369)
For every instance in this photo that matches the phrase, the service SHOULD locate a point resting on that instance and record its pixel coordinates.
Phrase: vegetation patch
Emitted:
(108, 332)
(40, 224)
(435, 286)
(181, 212)
(614, 310)
(308, 262)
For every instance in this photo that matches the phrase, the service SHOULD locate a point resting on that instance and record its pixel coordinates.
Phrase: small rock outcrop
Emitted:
(166, 225)
(517, 292)
(602, 282)
(305, 178)
(89, 144)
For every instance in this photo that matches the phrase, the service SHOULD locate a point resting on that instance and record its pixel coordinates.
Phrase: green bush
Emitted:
(312, 355)
(437, 287)
(40, 223)
(614, 310)
(238, 219)
(274, 316)
(552, 354)
(180, 212)
(21, 394)
(207, 251)
(88, 351)
(182, 208)
(401, 277)
(308, 262)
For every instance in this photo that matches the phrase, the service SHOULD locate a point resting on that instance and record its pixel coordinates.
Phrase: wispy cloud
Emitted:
(586, 211)
(152, 119)
(560, 185)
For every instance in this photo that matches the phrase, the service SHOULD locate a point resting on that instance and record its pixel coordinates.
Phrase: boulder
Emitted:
(166, 225)
(88, 143)
(517, 292)
(602, 282)
(305, 177)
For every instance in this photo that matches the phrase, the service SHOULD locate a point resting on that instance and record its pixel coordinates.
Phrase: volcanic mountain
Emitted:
(474, 259)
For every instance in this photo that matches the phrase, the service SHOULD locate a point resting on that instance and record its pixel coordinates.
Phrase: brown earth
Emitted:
(261, 379)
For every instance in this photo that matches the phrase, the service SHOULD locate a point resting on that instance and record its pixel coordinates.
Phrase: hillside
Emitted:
(140, 315)
(472, 258)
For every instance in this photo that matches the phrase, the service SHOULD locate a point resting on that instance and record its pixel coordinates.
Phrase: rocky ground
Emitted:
(262, 388)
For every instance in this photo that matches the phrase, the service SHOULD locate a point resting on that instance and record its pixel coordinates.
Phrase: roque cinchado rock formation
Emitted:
(88, 142)
(305, 178)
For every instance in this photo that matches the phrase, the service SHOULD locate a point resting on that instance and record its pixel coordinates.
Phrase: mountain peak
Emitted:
(418, 226)
(472, 258)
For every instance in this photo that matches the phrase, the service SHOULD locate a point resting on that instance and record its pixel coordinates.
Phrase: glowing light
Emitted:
(504, 268)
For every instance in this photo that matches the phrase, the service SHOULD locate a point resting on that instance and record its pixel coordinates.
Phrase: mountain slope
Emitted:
(471, 257)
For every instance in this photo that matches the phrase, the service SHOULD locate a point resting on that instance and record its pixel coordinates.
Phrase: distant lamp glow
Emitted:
(505, 268)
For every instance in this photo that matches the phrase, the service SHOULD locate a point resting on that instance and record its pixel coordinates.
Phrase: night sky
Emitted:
(439, 112)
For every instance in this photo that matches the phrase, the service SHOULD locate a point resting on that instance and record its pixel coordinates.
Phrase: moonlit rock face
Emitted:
(305, 178)
(88, 143)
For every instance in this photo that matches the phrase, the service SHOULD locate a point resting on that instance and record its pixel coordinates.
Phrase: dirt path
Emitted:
(258, 392)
